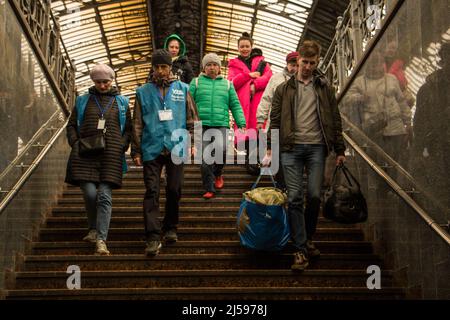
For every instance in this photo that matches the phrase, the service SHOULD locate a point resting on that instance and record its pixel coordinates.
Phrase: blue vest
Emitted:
(122, 103)
(158, 134)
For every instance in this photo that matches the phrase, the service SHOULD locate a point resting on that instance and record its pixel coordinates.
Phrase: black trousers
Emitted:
(152, 174)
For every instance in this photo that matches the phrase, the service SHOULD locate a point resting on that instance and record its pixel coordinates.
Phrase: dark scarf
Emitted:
(247, 61)
(112, 92)
(161, 82)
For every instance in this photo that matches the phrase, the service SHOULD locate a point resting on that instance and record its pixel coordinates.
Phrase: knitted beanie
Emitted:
(161, 56)
(210, 58)
(102, 72)
(292, 56)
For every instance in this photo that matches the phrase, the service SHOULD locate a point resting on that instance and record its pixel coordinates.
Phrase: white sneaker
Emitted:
(101, 248)
(91, 236)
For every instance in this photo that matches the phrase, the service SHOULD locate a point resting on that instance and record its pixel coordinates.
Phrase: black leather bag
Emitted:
(345, 203)
(92, 145)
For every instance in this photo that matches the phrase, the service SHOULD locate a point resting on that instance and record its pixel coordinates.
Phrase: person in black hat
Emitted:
(163, 106)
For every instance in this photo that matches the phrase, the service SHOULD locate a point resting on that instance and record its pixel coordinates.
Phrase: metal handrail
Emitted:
(391, 182)
(30, 143)
(24, 178)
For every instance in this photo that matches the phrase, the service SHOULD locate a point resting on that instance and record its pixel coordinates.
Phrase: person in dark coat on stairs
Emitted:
(102, 111)
(163, 107)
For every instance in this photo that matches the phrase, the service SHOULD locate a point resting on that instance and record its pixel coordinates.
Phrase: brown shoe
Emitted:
(313, 252)
(300, 261)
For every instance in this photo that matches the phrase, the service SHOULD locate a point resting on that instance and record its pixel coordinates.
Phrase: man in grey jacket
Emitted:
(262, 114)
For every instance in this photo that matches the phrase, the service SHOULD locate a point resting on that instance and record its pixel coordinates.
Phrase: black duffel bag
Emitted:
(344, 202)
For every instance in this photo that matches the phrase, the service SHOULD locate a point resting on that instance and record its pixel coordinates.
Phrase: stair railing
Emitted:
(32, 167)
(33, 142)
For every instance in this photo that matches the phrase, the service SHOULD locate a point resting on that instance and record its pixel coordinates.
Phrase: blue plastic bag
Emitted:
(262, 227)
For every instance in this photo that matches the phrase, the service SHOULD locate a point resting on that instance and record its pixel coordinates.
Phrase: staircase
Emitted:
(207, 262)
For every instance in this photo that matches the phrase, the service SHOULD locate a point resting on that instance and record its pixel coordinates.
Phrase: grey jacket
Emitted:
(262, 114)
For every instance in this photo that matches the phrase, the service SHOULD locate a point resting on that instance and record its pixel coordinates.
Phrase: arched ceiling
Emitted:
(123, 34)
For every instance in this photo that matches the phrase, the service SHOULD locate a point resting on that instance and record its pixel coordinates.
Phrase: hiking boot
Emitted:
(312, 250)
(208, 195)
(170, 236)
(300, 261)
(91, 236)
(153, 247)
(218, 183)
(101, 248)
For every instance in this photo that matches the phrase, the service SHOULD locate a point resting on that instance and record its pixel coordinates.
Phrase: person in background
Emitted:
(431, 148)
(102, 109)
(382, 111)
(395, 66)
(263, 111)
(181, 67)
(215, 96)
(249, 78)
(262, 114)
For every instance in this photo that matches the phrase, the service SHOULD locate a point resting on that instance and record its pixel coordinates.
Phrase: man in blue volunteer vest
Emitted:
(163, 106)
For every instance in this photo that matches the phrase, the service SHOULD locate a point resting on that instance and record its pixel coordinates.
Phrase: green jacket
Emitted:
(214, 97)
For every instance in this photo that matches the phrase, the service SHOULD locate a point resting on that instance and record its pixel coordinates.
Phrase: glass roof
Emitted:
(118, 33)
(277, 29)
(112, 32)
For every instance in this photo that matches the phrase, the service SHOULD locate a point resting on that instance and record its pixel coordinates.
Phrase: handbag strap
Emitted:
(259, 178)
(346, 173)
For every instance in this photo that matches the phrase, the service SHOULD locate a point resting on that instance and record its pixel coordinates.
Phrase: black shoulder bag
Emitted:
(95, 145)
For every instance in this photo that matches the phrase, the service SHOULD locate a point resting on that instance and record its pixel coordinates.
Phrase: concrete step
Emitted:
(137, 221)
(199, 278)
(137, 201)
(189, 168)
(189, 247)
(139, 183)
(206, 234)
(195, 175)
(75, 192)
(202, 261)
(212, 293)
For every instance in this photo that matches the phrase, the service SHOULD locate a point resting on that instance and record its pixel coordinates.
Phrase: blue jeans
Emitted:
(303, 222)
(98, 207)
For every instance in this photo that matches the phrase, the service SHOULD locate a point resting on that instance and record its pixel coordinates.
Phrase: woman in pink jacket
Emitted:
(250, 75)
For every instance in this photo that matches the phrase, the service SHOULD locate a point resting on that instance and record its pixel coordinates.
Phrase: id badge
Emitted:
(101, 124)
(165, 115)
